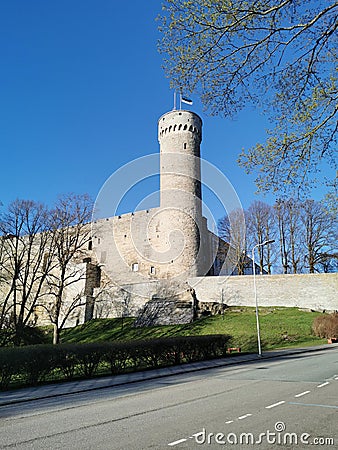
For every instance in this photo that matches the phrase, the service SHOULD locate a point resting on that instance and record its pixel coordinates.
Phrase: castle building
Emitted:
(171, 241)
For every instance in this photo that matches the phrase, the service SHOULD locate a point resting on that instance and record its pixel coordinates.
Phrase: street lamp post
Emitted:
(255, 291)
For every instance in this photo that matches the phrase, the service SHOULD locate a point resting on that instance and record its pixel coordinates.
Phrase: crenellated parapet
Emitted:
(177, 122)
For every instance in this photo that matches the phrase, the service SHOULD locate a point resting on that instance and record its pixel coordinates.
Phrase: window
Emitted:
(185, 146)
(134, 267)
(152, 270)
(90, 245)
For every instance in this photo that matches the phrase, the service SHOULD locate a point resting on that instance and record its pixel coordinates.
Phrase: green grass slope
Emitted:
(280, 327)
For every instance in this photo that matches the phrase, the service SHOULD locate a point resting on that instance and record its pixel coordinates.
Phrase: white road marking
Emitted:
(336, 378)
(323, 384)
(177, 442)
(229, 421)
(244, 417)
(302, 393)
(275, 404)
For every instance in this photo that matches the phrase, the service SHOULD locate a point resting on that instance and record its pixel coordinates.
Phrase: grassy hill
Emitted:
(280, 327)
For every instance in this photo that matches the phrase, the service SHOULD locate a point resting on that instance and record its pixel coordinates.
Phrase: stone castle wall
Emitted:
(311, 291)
(306, 291)
(139, 247)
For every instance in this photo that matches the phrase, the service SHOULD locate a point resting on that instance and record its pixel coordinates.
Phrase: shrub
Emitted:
(65, 359)
(152, 353)
(28, 336)
(88, 357)
(168, 351)
(37, 362)
(33, 336)
(326, 326)
(117, 356)
(33, 363)
(10, 365)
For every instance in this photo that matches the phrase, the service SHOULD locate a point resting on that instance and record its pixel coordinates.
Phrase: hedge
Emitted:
(34, 364)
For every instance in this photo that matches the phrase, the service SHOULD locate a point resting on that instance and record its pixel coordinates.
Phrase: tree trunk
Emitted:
(56, 334)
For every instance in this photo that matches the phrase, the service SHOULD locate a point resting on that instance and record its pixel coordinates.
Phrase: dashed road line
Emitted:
(275, 404)
(302, 393)
(229, 421)
(171, 444)
(244, 417)
(323, 384)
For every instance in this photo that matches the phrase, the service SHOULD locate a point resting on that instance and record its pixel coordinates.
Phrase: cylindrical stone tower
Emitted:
(180, 135)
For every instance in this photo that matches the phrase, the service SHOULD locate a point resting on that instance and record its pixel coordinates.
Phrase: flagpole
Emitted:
(174, 100)
(180, 100)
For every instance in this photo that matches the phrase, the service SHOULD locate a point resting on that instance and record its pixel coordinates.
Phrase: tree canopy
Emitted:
(279, 55)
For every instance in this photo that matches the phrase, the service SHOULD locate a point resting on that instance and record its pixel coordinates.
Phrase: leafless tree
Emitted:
(71, 230)
(320, 234)
(231, 228)
(261, 227)
(287, 214)
(26, 262)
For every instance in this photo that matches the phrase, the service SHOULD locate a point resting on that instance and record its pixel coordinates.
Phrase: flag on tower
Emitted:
(186, 100)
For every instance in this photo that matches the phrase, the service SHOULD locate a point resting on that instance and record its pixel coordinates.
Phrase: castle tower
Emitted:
(180, 135)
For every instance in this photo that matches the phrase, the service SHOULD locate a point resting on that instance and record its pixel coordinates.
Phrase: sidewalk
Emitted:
(73, 387)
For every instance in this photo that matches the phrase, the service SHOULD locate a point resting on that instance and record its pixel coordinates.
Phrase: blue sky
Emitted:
(82, 88)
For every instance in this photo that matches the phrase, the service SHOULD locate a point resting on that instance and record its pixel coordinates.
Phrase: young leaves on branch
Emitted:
(280, 55)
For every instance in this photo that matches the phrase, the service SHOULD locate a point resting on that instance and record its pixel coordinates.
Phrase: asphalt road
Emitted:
(288, 403)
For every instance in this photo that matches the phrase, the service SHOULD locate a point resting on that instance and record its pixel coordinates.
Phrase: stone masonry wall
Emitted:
(317, 292)
(311, 291)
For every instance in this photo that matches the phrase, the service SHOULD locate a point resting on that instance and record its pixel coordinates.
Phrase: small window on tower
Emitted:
(152, 270)
(90, 244)
(134, 267)
(184, 146)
